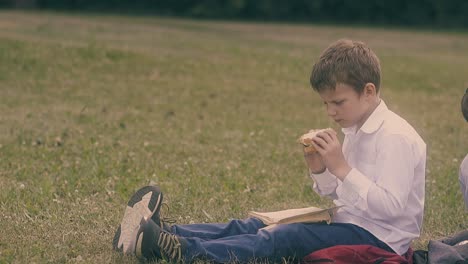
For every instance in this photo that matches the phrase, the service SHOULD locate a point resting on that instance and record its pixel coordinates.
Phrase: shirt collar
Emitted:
(373, 122)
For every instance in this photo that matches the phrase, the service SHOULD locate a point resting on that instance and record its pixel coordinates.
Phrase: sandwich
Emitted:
(306, 140)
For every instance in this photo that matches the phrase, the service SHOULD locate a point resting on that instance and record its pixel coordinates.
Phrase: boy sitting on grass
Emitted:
(377, 176)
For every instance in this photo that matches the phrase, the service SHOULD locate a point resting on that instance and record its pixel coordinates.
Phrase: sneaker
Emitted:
(153, 243)
(144, 204)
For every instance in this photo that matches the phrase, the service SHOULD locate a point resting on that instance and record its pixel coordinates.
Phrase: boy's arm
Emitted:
(386, 197)
(325, 183)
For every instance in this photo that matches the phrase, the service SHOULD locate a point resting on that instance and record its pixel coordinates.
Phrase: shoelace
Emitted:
(170, 246)
(165, 219)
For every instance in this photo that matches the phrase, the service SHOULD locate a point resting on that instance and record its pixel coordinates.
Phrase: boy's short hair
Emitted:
(349, 62)
(464, 105)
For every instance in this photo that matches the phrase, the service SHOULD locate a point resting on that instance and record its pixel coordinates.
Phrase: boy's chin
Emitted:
(343, 124)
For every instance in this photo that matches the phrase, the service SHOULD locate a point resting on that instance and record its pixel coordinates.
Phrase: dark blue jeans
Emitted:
(244, 240)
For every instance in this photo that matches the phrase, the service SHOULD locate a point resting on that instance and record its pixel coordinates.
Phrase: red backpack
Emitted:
(362, 254)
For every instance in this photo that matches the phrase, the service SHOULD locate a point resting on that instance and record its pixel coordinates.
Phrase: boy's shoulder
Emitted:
(395, 125)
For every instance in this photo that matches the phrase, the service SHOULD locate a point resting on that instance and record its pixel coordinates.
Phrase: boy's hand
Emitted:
(329, 148)
(314, 161)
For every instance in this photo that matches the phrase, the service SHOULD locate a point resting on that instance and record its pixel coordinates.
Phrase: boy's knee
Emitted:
(281, 233)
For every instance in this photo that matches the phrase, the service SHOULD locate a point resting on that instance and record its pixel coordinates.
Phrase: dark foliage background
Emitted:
(448, 13)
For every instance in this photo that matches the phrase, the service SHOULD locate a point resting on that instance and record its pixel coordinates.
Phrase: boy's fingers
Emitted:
(319, 149)
(325, 136)
(320, 142)
(332, 134)
(330, 131)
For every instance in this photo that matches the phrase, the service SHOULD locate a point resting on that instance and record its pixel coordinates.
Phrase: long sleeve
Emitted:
(324, 184)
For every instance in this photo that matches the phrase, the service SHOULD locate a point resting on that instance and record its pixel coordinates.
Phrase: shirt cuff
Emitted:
(323, 178)
(355, 185)
(324, 183)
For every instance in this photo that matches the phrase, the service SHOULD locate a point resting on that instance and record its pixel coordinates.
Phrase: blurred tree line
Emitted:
(444, 13)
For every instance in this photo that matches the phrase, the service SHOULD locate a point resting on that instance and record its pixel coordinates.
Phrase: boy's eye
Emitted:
(338, 102)
(335, 102)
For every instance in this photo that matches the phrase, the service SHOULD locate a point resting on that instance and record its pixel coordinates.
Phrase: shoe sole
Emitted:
(141, 206)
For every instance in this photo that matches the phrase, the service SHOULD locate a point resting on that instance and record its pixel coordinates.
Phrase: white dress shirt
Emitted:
(463, 177)
(384, 191)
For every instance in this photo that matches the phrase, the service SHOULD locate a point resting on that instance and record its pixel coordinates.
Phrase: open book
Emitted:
(299, 215)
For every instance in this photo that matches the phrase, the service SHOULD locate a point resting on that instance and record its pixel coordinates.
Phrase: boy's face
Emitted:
(346, 107)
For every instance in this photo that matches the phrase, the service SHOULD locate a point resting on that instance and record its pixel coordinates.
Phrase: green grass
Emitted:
(94, 107)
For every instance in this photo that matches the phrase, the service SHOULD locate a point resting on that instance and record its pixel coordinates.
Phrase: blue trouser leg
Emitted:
(215, 231)
(288, 241)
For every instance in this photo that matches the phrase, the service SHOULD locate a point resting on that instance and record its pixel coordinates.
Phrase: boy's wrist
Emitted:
(318, 171)
(342, 171)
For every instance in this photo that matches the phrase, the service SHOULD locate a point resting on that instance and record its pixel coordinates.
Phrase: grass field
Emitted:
(94, 107)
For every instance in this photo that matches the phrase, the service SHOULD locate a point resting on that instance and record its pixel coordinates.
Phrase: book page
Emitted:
(299, 215)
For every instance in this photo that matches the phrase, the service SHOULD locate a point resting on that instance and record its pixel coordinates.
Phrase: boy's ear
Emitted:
(369, 90)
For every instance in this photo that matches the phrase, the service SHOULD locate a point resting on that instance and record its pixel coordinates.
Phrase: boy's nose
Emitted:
(331, 111)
